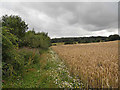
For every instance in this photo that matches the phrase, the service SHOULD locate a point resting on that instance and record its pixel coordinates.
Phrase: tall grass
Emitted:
(48, 72)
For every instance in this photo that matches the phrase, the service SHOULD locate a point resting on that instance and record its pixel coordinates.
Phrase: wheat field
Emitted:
(96, 64)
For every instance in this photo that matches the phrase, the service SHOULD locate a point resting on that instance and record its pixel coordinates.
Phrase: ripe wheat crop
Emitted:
(96, 64)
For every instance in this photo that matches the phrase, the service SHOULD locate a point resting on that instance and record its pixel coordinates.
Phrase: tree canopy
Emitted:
(16, 23)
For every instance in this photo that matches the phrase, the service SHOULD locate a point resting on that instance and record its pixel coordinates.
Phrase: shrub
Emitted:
(16, 23)
(12, 61)
(36, 40)
(30, 57)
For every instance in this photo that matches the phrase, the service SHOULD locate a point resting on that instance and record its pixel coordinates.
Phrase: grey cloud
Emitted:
(67, 18)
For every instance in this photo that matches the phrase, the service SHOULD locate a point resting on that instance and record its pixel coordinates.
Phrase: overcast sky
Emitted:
(66, 19)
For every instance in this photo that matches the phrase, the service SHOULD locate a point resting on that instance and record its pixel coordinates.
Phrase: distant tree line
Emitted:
(73, 40)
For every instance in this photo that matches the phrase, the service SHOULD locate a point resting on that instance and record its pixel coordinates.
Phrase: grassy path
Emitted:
(61, 75)
(51, 72)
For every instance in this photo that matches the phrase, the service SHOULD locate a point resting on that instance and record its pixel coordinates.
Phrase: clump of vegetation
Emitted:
(11, 60)
(49, 72)
(19, 27)
(36, 40)
(14, 37)
(114, 37)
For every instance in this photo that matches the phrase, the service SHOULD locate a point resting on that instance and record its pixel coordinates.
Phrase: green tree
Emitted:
(11, 60)
(114, 37)
(16, 23)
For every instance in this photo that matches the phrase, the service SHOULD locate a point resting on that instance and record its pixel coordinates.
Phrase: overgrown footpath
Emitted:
(49, 72)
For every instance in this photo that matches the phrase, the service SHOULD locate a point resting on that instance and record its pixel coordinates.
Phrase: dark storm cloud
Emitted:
(67, 18)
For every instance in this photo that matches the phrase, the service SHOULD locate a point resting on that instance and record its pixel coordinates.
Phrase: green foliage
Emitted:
(8, 43)
(91, 39)
(36, 40)
(69, 42)
(11, 60)
(47, 73)
(114, 37)
(16, 23)
(30, 57)
(14, 35)
(14, 60)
